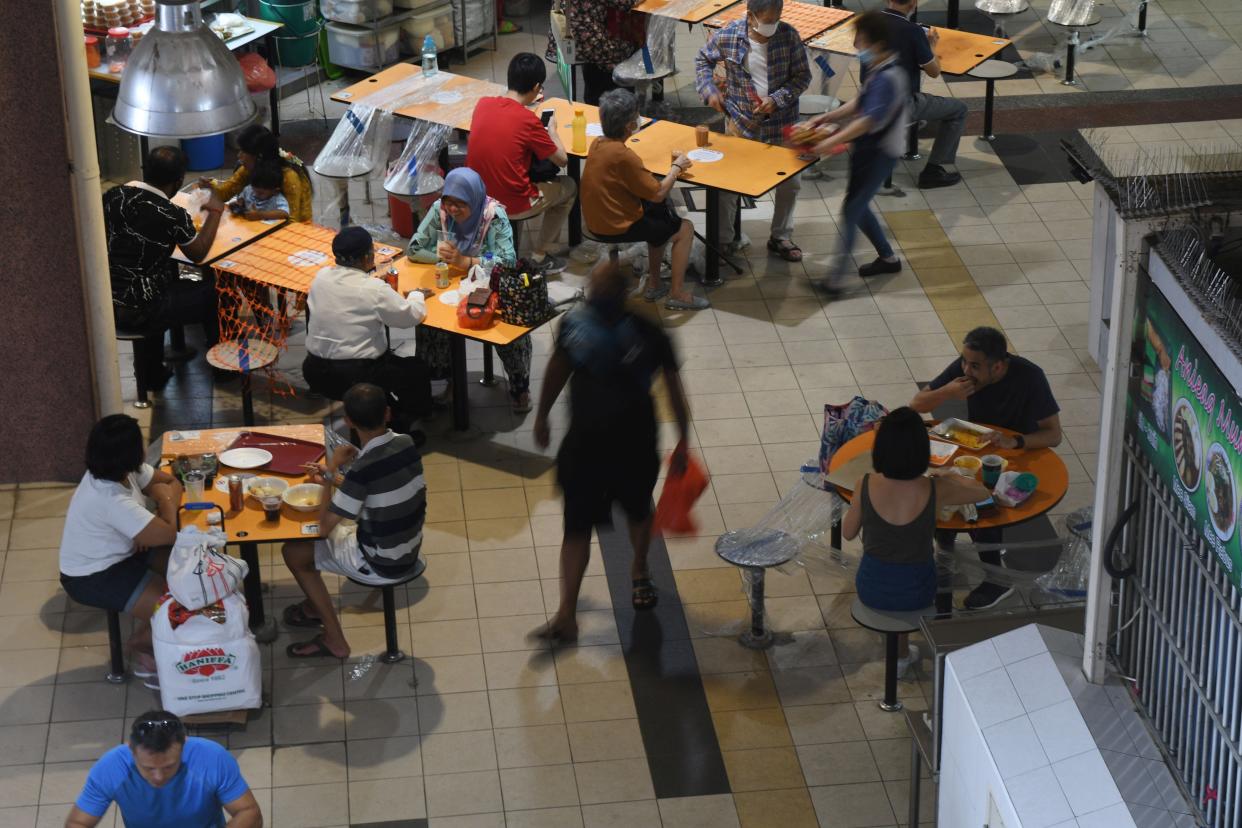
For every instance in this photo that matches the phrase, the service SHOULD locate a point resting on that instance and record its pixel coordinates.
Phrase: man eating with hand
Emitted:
(1003, 390)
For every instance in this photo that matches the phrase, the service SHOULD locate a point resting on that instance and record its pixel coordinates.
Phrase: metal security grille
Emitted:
(1179, 635)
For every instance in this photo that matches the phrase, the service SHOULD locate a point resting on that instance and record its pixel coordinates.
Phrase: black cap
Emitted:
(351, 243)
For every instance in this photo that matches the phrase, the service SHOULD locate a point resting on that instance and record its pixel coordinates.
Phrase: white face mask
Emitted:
(764, 29)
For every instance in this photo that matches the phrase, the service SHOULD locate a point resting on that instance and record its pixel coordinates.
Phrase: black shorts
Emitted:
(593, 476)
(658, 224)
(115, 588)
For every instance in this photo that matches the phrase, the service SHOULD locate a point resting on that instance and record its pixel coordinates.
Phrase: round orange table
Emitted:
(1044, 463)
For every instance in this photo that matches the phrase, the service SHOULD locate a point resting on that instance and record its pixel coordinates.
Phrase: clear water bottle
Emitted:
(487, 264)
(431, 61)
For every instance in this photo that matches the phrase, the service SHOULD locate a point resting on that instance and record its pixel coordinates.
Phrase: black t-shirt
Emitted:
(1018, 401)
(909, 42)
(142, 229)
(614, 363)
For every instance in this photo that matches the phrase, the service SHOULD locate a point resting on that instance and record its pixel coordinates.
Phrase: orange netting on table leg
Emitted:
(258, 319)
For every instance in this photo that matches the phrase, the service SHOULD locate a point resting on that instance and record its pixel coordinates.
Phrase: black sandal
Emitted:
(644, 595)
(320, 649)
(295, 616)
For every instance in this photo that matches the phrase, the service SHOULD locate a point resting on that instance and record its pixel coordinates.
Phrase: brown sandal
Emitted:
(786, 249)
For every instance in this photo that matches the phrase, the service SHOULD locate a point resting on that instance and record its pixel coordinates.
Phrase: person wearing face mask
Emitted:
(765, 72)
(610, 358)
(874, 123)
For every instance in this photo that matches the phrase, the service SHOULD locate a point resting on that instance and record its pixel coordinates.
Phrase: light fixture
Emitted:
(181, 80)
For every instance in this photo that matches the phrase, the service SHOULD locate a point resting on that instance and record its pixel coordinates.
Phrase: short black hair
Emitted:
(351, 245)
(268, 174)
(987, 341)
(156, 731)
(259, 141)
(164, 167)
(114, 448)
(365, 405)
(526, 71)
(872, 25)
(902, 450)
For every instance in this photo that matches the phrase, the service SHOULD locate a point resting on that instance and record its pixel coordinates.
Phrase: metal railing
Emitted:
(1178, 635)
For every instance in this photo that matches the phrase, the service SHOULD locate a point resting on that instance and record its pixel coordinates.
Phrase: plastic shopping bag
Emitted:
(207, 659)
(681, 492)
(200, 572)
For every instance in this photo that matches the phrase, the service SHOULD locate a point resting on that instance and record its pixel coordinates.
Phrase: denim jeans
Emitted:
(950, 113)
(869, 168)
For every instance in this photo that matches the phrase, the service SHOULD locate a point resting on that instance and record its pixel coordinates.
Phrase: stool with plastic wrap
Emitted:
(653, 62)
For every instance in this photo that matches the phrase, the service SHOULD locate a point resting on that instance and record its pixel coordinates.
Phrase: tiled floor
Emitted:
(484, 725)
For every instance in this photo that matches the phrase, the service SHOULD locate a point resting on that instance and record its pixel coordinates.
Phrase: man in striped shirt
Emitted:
(370, 521)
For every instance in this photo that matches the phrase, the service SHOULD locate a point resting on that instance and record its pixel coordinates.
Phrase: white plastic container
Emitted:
(355, 11)
(437, 22)
(361, 48)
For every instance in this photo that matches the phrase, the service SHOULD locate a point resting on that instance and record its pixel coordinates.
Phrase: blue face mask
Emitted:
(865, 56)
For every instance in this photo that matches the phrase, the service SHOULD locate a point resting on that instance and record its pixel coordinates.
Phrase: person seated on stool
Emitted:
(464, 225)
(113, 551)
(507, 140)
(895, 510)
(142, 227)
(370, 521)
(621, 202)
(346, 342)
(1004, 390)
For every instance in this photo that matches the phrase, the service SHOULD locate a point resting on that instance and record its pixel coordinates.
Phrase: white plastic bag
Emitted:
(207, 659)
(1007, 492)
(200, 572)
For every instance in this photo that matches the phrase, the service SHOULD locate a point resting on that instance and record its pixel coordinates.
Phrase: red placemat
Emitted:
(289, 455)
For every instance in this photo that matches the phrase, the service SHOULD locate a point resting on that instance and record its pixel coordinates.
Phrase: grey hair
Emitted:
(761, 6)
(618, 110)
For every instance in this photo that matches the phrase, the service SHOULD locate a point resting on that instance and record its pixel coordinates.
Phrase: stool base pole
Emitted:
(758, 637)
(1071, 49)
(890, 703)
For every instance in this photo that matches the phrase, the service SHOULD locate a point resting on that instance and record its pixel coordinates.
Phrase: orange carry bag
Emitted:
(681, 492)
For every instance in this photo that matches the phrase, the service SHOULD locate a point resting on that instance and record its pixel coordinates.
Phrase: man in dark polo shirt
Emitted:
(915, 46)
(1000, 390)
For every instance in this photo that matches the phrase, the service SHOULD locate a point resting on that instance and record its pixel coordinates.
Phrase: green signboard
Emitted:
(1188, 421)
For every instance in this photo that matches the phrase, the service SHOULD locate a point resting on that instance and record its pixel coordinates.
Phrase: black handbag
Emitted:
(523, 295)
(543, 170)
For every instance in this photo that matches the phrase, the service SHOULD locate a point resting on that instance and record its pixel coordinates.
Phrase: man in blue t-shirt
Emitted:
(915, 47)
(162, 778)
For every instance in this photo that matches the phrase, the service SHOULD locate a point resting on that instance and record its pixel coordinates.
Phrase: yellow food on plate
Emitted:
(969, 439)
(264, 491)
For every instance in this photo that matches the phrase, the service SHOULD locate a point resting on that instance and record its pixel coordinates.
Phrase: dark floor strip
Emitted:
(678, 734)
(396, 823)
(1034, 158)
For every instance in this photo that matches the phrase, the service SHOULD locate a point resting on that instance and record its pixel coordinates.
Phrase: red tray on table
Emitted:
(288, 454)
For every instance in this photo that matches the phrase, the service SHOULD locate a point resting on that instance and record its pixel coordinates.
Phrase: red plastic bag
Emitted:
(681, 492)
(479, 317)
(259, 76)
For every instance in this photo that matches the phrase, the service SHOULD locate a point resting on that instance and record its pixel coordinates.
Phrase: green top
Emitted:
(498, 240)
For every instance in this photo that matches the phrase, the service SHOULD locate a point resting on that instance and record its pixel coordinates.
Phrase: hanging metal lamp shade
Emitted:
(182, 81)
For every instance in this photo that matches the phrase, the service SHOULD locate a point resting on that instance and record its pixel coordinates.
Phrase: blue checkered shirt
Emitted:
(789, 75)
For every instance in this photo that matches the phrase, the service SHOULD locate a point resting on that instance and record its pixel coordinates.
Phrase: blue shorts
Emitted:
(115, 588)
(895, 587)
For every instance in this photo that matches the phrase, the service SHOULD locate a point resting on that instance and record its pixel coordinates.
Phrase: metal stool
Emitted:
(771, 549)
(1072, 15)
(244, 356)
(891, 624)
(991, 71)
(392, 652)
(140, 370)
(1001, 9)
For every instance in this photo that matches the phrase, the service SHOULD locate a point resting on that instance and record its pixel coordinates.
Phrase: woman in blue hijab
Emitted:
(459, 229)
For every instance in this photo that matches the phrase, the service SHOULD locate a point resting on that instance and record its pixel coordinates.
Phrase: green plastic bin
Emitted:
(297, 42)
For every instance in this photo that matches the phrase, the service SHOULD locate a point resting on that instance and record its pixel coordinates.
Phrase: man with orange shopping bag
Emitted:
(610, 453)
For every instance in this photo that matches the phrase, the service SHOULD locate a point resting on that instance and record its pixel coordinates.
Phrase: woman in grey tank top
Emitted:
(895, 510)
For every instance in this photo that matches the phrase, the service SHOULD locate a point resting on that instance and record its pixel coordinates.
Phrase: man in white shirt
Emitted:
(346, 338)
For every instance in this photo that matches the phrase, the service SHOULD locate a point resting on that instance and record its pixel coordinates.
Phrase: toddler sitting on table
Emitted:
(262, 198)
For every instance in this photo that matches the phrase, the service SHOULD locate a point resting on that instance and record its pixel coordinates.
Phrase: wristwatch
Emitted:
(1021, 440)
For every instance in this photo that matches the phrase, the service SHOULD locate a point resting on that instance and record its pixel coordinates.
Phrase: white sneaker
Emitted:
(912, 657)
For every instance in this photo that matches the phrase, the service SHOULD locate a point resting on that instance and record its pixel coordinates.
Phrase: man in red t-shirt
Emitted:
(506, 138)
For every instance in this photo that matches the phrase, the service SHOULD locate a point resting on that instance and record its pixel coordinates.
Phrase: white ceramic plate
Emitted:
(245, 458)
(450, 298)
(704, 156)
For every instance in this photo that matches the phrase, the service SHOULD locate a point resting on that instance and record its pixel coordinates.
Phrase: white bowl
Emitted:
(278, 486)
(294, 495)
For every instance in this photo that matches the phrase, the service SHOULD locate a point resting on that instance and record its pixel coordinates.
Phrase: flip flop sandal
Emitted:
(509, 27)
(644, 595)
(320, 649)
(295, 616)
(786, 249)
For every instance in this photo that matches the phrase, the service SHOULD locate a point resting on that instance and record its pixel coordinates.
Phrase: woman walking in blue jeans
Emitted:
(895, 510)
(877, 132)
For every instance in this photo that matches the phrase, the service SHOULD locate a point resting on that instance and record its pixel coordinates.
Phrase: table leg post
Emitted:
(890, 703)
(247, 400)
(264, 629)
(1142, 19)
(987, 110)
(273, 96)
(1071, 48)
(461, 402)
(712, 278)
(575, 212)
(953, 14)
(177, 350)
(916, 770)
(836, 535)
(489, 370)
(912, 143)
(758, 637)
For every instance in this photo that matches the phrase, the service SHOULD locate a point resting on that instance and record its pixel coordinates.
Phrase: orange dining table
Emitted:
(687, 12)
(1044, 463)
(248, 527)
(233, 233)
(458, 94)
